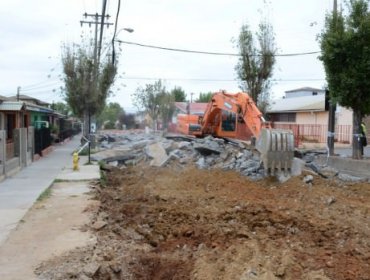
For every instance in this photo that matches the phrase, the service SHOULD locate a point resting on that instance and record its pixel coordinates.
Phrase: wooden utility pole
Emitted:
(96, 21)
(18, 92)
(332, 106)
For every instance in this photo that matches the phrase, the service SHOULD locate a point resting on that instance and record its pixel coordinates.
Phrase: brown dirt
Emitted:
(195, 224)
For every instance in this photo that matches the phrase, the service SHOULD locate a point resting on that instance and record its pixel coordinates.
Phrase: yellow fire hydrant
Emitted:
(75, 161)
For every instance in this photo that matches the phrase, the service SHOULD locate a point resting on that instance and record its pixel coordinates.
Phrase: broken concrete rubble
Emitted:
(205, 153)
(157, 153)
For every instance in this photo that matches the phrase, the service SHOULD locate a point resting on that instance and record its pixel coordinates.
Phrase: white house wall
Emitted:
(343, 116)
(316, 118)
(302, 93)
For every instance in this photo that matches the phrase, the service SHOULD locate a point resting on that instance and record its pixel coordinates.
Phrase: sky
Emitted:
(34, 31)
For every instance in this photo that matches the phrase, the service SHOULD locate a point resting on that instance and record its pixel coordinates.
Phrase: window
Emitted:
(228, 121)
(283, 117)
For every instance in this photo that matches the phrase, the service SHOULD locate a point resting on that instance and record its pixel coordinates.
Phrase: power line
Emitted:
(215, 80)
(50, 84)
(39, 84)
(115, 32)
(208, 52)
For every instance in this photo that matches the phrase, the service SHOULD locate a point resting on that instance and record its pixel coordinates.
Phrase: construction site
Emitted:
(185, 140)
(173, 207)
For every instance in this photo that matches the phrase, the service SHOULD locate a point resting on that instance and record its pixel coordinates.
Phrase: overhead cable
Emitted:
(115, 32)
(215, 80)
(208, 52)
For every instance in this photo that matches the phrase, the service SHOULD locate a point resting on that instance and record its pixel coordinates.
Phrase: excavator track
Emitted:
(276, 147)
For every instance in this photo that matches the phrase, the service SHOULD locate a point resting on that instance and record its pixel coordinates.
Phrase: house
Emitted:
(190, 108)
(305, 111)
(13, 115)
(16, 142)
(39, 111)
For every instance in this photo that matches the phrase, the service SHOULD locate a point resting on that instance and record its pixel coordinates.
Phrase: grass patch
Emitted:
(103, 179)
(44, 195)
(103, 175)
(58, 181)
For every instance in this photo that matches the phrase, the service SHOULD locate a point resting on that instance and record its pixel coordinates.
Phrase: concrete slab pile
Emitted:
(160, 150)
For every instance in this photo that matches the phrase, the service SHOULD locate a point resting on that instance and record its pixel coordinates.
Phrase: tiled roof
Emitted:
(298, 104)
(26, 97)
(305, 89)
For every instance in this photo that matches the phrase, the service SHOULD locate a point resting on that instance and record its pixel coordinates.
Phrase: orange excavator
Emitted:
(235, 115)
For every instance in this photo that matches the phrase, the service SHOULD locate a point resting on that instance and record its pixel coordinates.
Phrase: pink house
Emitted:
(305, 111)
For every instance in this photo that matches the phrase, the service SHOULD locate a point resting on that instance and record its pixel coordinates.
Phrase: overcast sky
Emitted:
(33, 32)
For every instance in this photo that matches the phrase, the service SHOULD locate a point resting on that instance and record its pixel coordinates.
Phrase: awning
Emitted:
(12, 106)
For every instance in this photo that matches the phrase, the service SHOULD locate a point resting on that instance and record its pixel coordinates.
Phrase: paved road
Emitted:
(343, 151)
(348, 152)
(19, 192)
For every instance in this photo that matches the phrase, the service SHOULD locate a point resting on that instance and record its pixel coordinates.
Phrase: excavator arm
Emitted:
(237, 116)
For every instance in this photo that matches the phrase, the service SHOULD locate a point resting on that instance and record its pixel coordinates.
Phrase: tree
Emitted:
(87, 82)
(61, 108)
(128, 120)
(345, 53)
(110, 114)
(178, 94)
(256, 62)
(155, 101)
(204, 97)
(166, 107)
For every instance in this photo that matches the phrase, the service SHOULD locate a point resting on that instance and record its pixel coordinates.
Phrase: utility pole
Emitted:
(18, 92)
(96, 20)
(332, 107)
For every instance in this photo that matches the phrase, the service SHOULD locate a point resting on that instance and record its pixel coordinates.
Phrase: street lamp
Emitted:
(129, 30)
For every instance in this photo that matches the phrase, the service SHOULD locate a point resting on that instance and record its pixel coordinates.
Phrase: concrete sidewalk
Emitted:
(19, 192)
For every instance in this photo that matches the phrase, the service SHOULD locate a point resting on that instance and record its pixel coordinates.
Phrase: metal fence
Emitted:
(15, 153)
(43, 139)
(316, 133)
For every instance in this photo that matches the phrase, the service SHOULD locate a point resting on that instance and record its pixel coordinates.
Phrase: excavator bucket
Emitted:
(276, 147)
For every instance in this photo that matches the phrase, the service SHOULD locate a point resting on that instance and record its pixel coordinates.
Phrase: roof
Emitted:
(298, 104)
(37, 108)
(26, 97)
(195, 108)
(3, 98)
(11, 106)
(305, 89)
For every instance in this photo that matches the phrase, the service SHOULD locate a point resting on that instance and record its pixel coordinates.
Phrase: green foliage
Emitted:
(156, 101)
(110, 114)
(204, 97)
(87, 86)
(44, 195)
(256, 63)
(61, 108)
(166, 107)
(54, 129)
(178, 94)
(345, 45)
(345, 52)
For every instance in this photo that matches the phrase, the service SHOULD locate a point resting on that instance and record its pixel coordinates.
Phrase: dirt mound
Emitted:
(198, 224)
